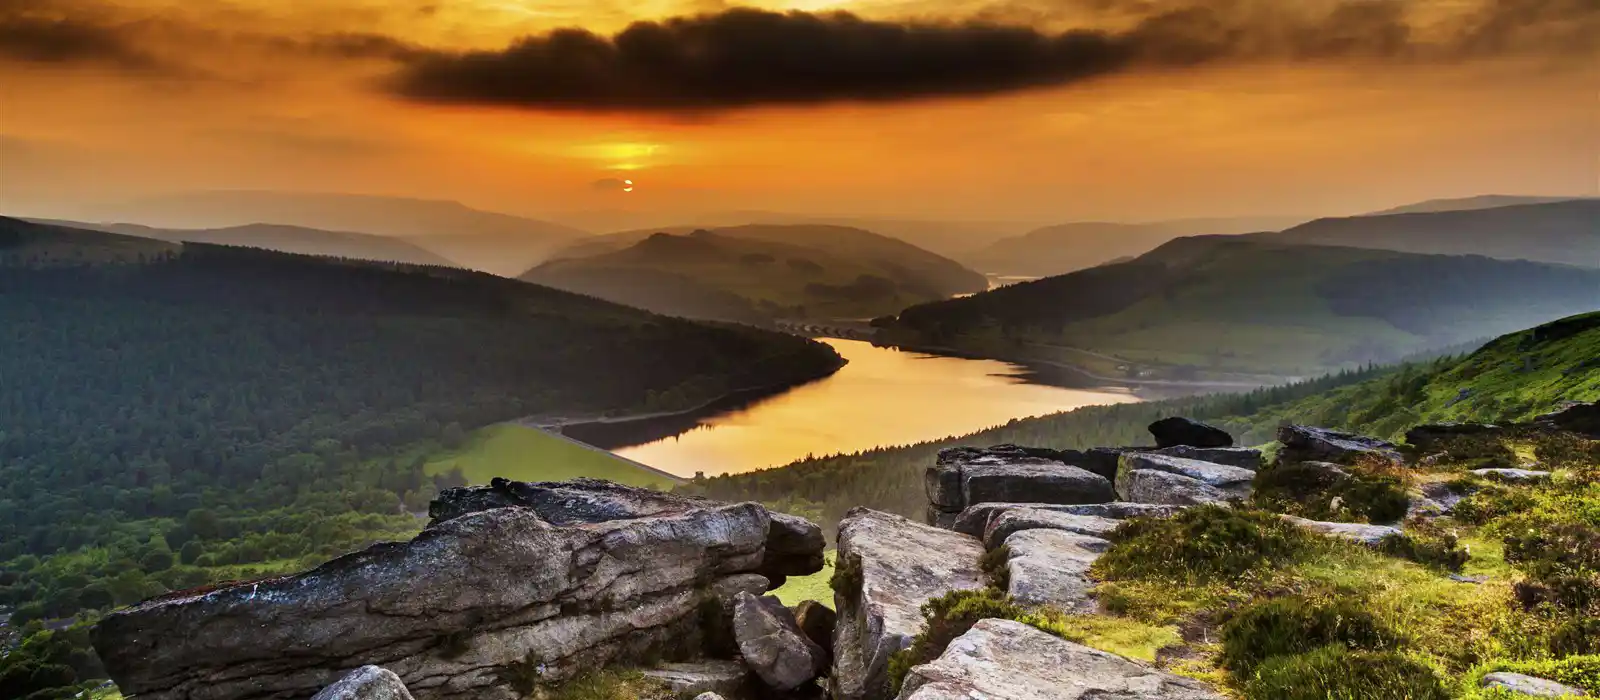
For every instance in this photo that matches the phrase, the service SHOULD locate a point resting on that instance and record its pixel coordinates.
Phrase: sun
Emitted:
(627, 185)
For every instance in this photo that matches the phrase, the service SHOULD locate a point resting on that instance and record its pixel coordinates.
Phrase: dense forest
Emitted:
(174, 416)
(1511, 378)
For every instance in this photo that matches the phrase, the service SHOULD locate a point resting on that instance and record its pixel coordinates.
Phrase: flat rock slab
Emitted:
(366, 683)
(1177, 430)
(1242, 457)
(1007, 474)
(1005, 660)
(1530, 685)
(1303, 443)
(901, 565)
(1021, 519)
(1165, 488)
(1234, 481)
(1356, 532)
(1051, 567)
(975, 519)
(692, 679)
(1516, 476)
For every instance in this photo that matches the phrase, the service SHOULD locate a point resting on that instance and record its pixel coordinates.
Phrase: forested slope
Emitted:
(1511, 378)
(176, 415)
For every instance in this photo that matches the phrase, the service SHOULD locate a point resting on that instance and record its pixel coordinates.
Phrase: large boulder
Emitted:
(1436, 435)
(963, 476)
(1177, 430)
(1165, 488)
(772, 644)
(548, 590)
(1581, 418)
(888, 567)
(1020, 519)
(1303, 443)
(366, 683)
(975, 519)
(1051, 567)
(794, 548)
(1001, 659)
(1236, 482)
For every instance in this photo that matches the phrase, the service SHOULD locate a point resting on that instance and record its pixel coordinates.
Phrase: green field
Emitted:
(813, 587)
(529, 454)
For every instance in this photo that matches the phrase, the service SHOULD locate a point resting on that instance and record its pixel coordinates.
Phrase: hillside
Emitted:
(197, 413)
(1512, 378)
(1064, 248)
(1565, 232)
(284, 239)
(492, 242)
(1482, 201)
(777, 271)
(1198, 306)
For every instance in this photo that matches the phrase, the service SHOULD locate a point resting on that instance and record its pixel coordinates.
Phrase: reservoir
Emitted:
(883, 397)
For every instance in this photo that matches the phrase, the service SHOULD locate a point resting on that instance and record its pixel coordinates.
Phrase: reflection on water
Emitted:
(883, 397)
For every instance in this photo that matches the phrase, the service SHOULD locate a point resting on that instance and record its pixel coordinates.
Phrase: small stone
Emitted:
(1458, 578)
(1515, 476)
(366, 683)
(1356, 532)
(708, 696)
(690, 679)
(1530, 685)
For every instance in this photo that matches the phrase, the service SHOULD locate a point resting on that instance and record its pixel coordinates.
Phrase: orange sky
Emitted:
(242, 95)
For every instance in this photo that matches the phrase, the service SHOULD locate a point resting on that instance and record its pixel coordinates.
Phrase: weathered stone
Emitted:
(1177, 430)
(718, 624)
(1516, 476)
(890, 567)
(366, 683)
(817, 622)
(1307, 444)
(1242, 457)
(1234, 482)
(965, 476)
(1356, 532)
(772, 644)
(1441, 494)
(1051, 567)
(1149, 486)
(475, 597)
(1020, 519)
(1581, 418)
(690, 680)
(1434, 435)
(794, 548)
(708, 696)
(1005, 660)
(975, 519)
(1530, 685)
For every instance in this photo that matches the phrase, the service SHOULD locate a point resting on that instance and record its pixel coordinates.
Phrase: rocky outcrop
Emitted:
(535, 582)
(1177, 430)
(1581, 418)
(1531, 686)
(772, 644)
(1361, 533)
(1051, 567)
(1234, 481)
(1149, 486)
(693, 680)
(817, 622)
(1307, 444)
(975, 520)
(366, 683)
(888, 567)
(964, 476)
(1021, 519)
(1004, 659)
(1514, 476)
(1242, 457)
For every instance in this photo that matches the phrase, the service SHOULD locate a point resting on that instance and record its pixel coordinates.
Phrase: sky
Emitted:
(1016, 110)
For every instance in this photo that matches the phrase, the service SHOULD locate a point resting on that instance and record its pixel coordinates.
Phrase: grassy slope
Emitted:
(529, 454)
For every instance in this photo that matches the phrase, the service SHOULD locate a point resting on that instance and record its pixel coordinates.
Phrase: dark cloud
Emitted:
(63, 40)
(744, 57)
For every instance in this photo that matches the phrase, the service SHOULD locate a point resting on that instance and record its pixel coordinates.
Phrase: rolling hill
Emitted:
(758, 271)
(1482, 201)
(1566, 232)
(284, 239)
(1221, 304)
(497, 243)
(1056, 250)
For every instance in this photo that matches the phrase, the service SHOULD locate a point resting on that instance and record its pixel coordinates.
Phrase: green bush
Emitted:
(993, 564)
(1561, 559)
(1293, 625)
(1428, 544)
(1580, 635)
(1199, 544)
(1492, 502)
(1335, 673)
(847, 578)
(947, 617)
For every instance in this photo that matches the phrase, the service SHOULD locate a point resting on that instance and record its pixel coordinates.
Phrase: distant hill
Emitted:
(1215, 304)
(1063, 248)
(26, 243)
(1482, 201)
(283, 238)
(1565, 232)
(762, 270)
(498, 243)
